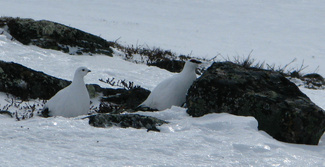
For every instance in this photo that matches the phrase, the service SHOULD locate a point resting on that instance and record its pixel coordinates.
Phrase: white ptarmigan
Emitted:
(71, 101)
(173, 90)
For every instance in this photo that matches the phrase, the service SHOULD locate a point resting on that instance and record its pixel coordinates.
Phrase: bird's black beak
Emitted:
(89, 70)
(195, 61)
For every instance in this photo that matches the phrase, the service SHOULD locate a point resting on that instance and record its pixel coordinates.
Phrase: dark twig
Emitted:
(120, 83)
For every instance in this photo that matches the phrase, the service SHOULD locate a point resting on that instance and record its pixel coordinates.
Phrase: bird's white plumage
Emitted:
(173, 90)
(73, 100)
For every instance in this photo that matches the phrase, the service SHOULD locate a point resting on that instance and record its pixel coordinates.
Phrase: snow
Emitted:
(211, 140)
(277, 32)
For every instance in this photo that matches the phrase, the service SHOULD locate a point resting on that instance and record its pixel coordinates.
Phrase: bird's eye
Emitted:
(83, 69)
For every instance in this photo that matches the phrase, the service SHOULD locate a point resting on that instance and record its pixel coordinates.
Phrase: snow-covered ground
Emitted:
(278, 31)
(212, 140)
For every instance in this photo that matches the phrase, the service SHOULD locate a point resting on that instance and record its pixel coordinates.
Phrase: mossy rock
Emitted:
(52, 35)
(125, 120)
(278, 105)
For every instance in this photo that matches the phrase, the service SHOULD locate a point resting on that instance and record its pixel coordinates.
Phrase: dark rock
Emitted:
(145, 108)
(26, 83)
(119, 100)
(51, 35)
(125, 120)
(170, 65)
(131, 98)
(278, 105)
(313, 81)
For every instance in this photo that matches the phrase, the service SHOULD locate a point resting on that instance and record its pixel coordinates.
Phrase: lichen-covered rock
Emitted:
(132, 97)
(26, 83)
(278, 105)
(120, 100)
(125, 120)
(51, 35)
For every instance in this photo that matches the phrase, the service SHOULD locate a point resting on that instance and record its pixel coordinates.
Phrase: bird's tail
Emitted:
(45, 112)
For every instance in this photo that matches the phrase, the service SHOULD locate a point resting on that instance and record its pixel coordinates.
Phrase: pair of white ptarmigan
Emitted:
(74, 100)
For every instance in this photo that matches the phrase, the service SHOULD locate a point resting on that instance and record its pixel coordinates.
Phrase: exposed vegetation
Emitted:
(120, 83)
(22, 109)
(249, 62)
(155, 56)
(310, 81)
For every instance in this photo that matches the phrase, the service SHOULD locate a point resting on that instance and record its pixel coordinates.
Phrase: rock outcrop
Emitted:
(51, 35)
(278, 105)
(116, 101)
(125, 120)
(26, 83)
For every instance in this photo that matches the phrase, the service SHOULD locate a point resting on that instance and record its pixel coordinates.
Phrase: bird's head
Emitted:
(195, 61)
(82, 71)
(192, 64)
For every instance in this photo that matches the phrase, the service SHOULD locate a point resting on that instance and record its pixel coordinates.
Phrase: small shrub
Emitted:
(22, 110)
(120, 83)
(155, 56)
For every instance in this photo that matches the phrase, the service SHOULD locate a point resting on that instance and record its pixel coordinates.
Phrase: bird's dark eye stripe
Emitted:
(195, 61)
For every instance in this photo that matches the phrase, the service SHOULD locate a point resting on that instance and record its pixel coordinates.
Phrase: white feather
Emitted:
(173, 90)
